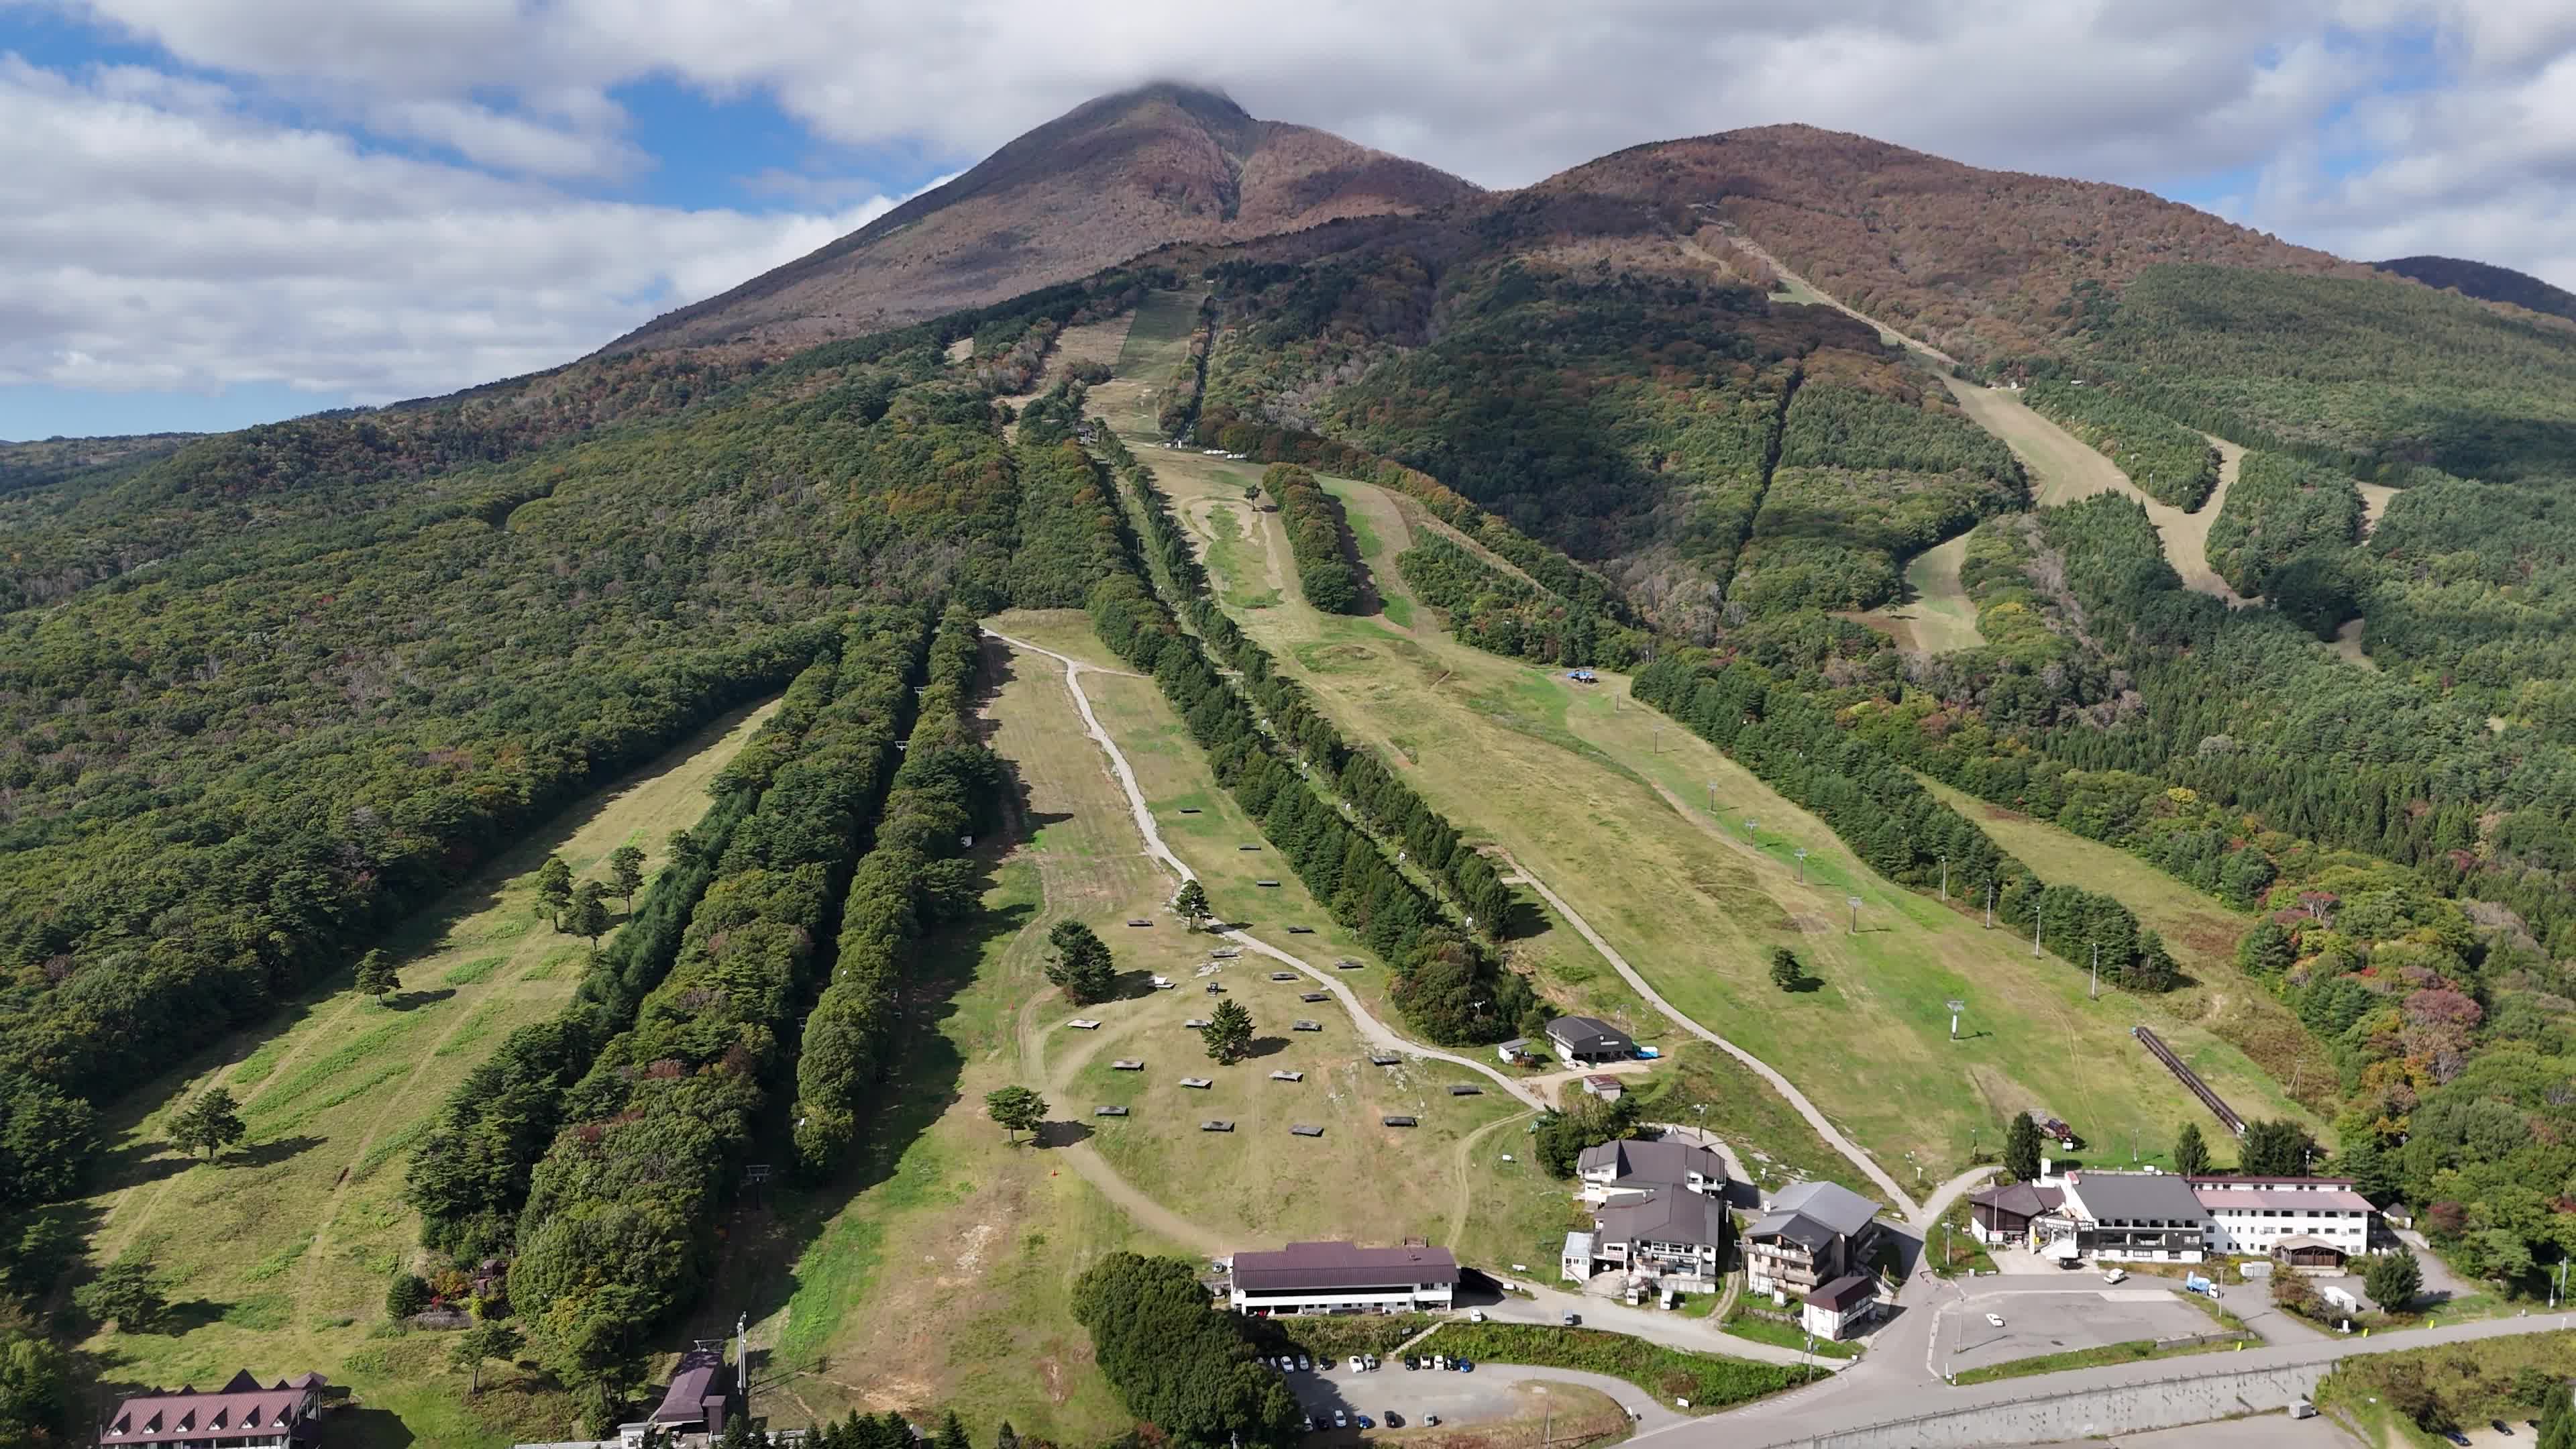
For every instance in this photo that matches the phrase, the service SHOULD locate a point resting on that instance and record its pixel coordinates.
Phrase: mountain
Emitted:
(1108, 180)
(2486, 282)
(1979, 263)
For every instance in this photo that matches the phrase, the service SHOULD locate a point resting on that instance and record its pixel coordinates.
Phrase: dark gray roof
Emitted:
(1843, 1294)
(1830, 1203)
(1588, 1033)
(1671, 1215)
(1647, 1163)
(1798, 1228)
(1340, 1265)
(2021, 1199)
(2134, 1195)
(1304, 1129)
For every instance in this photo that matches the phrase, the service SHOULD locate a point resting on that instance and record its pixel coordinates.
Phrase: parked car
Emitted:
(1996, 1319)
(1366, 1422)
(1572, 1318)
(1475, 1315)
(1357, 1365)
(1431, 1421)
(1393, 1419)
(2116, 1275)
(2501, 1427)
(1440, 1360)
(1465, 1366)
(1341, 1420)
(1310, 1423)
(1369, 1362)
(1307, 1365)
(1411, 1363)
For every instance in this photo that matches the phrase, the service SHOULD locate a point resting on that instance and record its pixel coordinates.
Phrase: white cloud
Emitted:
(168, 246)
(167, 229)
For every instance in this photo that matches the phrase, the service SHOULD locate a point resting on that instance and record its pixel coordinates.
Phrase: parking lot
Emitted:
(1395, 1398)
(2057, 1322)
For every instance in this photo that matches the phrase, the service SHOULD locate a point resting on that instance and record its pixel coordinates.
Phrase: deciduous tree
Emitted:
(589, 912)
(626, 868)
(484, 1340)
(554, 889)
(2393, 1278)
(125, 1293)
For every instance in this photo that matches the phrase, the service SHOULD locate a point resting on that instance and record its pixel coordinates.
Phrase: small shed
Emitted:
(2304, 1250)
(1287, 1076)
(1308, 1026)
(1602, 1085)
(1384, 1059)
(1108, 1111)
(1216, 1124)
(1127, 1064)
(1396, 1121)
(1512, 1051)
(1202, 1083)
(1464, 1089)
(1305, 1129)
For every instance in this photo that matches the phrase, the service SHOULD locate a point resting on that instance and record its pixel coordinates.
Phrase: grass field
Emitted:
(2199, 929)
(1157, 340)
(276, 1255)
(1640, 826)
(2062, 470)
(1935, 616)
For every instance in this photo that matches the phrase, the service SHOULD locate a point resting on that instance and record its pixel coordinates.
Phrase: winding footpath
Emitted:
(1372, 1030)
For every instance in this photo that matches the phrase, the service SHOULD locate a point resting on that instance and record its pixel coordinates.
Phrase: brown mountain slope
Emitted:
(1106, 181)
(1979, 263)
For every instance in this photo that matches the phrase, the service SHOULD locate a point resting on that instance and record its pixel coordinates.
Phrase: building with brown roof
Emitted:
(1344, 1278)
(2017, 1212)
(240, 1415)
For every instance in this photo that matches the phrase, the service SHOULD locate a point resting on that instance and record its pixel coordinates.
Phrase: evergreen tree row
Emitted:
(1889, 820)
(1387, 805)
(1440, 976)
(619, 1227)
(915, 877)
(1176, 1361)
(1314, 521)
(1500, 614)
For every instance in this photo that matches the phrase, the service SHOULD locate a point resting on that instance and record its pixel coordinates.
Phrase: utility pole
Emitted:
(1712, 797)
(1990, 905)
(2096, 994)
(1801, 853)
(2034, 936)
(1945, 877)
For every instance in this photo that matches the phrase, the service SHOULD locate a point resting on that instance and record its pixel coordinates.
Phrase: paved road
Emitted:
(1463, 1398)
(1696, 1335)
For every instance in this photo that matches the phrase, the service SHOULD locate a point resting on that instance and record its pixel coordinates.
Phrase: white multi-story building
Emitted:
(1344, 1278)
(2308, 1219)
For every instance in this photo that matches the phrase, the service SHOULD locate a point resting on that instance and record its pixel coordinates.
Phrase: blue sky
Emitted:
(214, 212)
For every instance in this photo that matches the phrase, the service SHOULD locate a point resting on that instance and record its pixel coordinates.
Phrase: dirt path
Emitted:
(1460, 1156)
(1939, 618)
(1824, 1128)
(1374, 1032)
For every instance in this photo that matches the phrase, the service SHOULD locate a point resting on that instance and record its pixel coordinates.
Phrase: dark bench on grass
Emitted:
(1463, 1090)
(1316, 996)
(1283, 975)
(1301, 930)
(1384, 1059)
(1397, 1122)
(1247, 847)
(1195, 1022)
(1140, 921)
(1216, 1124)
(1272, 884)
(1287, 1076)
(1303, 1129)
(1346, 966)
(1108, 1111)
(1308, 1026)
(1189, 809)
(1127, 1064)
(1202, 1083)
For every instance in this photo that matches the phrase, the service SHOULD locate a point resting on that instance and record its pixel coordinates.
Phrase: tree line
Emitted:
(622, 1210)
(1176, 1361)
(1314, 521)
(949, 787)
(1495, 612)
(1441, 974)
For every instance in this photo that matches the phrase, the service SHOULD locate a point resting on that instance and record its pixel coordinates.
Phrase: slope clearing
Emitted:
(277, 1254)
(1639, 825)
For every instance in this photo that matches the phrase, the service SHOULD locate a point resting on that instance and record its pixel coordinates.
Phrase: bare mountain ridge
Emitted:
(1113, 178)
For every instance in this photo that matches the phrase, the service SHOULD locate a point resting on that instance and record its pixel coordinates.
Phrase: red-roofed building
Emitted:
(240, 1415)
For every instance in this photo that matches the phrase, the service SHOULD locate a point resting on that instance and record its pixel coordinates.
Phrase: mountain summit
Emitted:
(1108, 180)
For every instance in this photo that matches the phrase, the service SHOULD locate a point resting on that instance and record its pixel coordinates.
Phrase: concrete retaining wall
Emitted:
(2129, 1409)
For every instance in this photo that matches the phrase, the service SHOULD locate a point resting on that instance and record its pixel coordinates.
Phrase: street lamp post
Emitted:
(2096, 993)
(1854, 903)
(1801, 853)
(2034, 936)
(1751, 825)
(1945, 877)
(1990, 905)
(1956, 1006)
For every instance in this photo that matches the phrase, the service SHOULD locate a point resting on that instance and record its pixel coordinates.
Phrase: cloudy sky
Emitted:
(214, 212)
